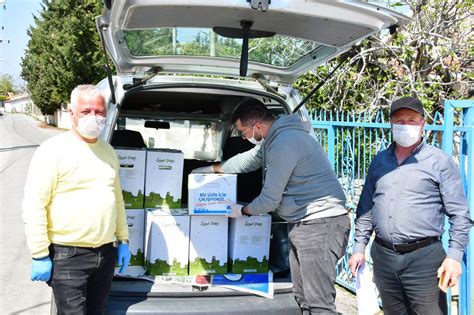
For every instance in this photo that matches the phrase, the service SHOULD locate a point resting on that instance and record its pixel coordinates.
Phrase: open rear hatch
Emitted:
(273, 40)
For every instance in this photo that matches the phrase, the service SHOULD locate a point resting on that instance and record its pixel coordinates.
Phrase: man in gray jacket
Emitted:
(300, 185)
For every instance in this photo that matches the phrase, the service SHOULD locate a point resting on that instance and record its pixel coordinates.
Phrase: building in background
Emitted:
(21, 103)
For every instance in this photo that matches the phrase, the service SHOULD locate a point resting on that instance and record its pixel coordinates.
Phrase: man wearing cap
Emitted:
(409, 189)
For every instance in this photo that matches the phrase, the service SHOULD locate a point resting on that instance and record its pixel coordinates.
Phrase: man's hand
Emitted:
(236, 211)
(41, 269)
(449, 274)
(355, 262)
(204, 170)
(123, 256)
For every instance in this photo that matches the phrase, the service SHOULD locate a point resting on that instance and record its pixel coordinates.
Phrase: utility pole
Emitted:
(3, 39)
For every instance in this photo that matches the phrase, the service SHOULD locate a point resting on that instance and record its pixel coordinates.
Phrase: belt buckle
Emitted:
(405, 248)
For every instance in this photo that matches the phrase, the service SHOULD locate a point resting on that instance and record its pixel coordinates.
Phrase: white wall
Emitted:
(63, 119)
(18, 105)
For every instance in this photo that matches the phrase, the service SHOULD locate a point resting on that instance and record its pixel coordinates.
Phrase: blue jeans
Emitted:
(408, 282)
(82, 278)
(315, 247)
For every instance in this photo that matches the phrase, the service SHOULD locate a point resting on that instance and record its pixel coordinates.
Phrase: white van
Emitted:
(182, 67)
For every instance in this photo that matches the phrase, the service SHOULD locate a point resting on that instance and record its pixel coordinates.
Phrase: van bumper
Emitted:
(282, 303)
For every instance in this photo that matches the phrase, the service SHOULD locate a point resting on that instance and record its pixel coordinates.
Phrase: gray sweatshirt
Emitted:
(298, 180)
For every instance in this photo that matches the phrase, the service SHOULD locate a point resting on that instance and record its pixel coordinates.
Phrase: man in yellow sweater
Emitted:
(74, 211)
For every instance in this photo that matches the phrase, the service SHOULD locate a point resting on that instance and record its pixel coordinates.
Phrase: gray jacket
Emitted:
(298, 179)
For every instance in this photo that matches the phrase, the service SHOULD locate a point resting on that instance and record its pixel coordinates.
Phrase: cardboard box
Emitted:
(249, 244)
(167, 242)
(164, 179)
(132, 176)
(136, 233)
(211, 194)
(208, 245)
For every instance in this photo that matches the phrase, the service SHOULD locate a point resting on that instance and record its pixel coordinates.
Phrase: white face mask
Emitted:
(90, 126)
(252, 140)
(406, 135)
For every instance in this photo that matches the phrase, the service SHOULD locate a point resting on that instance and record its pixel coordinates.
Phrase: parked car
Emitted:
(182, 67)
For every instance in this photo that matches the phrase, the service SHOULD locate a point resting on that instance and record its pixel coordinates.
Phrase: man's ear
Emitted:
(422, 127)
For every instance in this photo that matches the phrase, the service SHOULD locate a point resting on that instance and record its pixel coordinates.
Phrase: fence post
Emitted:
(332, 146)
(467, 279)
(448, 132)
(466, 294)
(447, 146)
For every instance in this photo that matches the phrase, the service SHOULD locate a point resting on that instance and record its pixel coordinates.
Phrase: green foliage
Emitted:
(250, 265)
(430, 58)
(149, 42)
(63, 51)
(131, 201)
(200, 266)
(138, 259)
(161, 267)
(153, 200)
(7, 85)
(277, 50)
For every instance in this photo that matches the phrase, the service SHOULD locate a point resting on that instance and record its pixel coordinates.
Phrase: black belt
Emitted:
(71, 246)
(406, 248)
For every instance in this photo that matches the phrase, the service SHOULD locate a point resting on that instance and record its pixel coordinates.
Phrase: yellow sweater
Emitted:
(73, 195)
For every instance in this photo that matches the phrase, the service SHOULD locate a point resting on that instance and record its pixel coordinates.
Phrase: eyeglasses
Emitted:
(237, 133)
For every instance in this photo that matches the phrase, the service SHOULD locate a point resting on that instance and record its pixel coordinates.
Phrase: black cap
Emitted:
(407, 102)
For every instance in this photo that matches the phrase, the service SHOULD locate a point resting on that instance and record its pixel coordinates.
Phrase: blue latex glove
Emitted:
(123, 256)
(41, 269)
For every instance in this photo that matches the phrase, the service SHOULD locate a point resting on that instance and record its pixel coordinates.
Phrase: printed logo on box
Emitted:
(208, 245)
(249, 244)
(211, 194)
(132, 176)
(167, 244)
(164, 179)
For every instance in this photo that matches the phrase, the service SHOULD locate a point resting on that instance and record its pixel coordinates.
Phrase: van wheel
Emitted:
(53, 309)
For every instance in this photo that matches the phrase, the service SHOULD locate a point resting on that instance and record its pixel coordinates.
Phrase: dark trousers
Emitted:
(408, 282)
(82, 278)
(315, 248)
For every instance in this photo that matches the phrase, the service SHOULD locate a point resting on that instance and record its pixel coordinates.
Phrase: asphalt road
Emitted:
(20, 135)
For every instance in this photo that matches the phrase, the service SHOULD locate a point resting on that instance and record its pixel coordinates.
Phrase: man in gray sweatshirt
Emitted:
(300, 185)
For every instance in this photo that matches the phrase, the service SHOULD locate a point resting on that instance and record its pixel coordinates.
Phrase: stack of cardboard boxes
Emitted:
(132, 180)
(168, 239)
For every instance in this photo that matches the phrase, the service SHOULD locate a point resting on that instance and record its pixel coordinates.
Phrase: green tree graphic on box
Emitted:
(131, 201)
(250, 265)
(200, 266)
(161, 267)
(138, 259)
(155, 200)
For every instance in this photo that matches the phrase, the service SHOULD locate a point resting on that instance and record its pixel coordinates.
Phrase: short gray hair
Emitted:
(89, 89)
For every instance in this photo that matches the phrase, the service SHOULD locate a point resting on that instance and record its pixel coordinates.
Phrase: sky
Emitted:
(16, 19)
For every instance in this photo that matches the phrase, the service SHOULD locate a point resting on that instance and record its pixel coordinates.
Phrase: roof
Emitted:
(19, 97)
